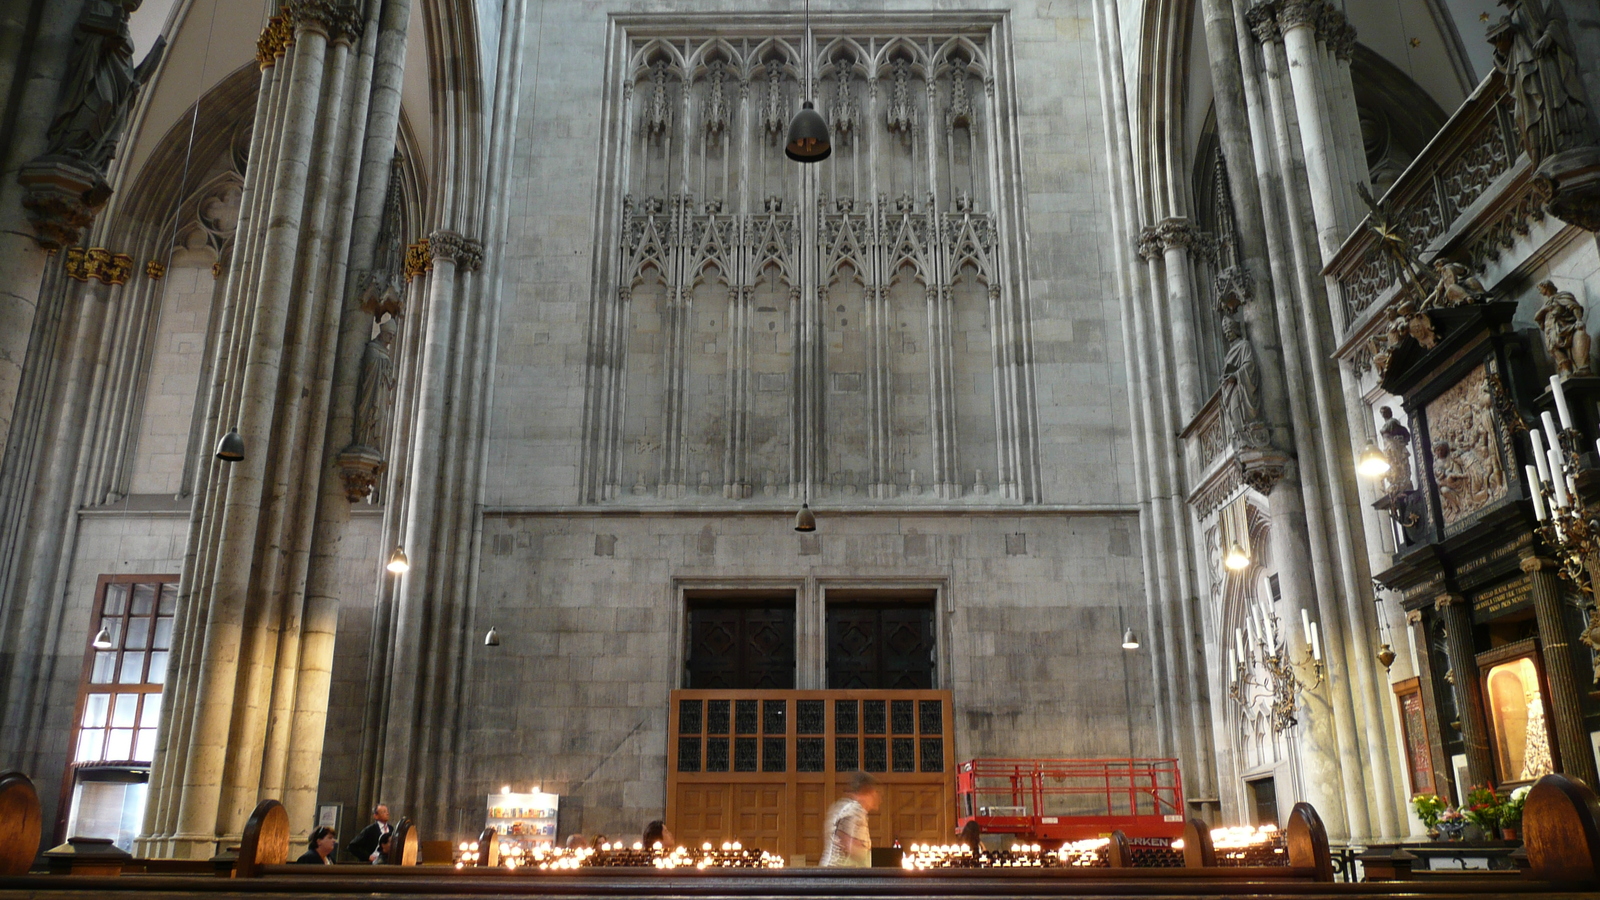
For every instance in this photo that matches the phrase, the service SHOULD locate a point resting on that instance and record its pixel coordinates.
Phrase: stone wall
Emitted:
(590, 617)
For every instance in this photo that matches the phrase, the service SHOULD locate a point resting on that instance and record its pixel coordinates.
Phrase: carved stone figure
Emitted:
(716, 106)
(375, 389)
(658, 114)
(101, 83)
(1397, 450)
(1535, 54)
(1241, 387)
(1561, 322)
(1457, 286)
(1450, 473)
(902, 113)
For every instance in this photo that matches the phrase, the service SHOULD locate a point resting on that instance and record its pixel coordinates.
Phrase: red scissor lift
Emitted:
(1071, 799)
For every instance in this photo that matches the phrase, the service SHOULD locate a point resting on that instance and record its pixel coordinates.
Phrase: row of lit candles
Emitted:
(1261, 628)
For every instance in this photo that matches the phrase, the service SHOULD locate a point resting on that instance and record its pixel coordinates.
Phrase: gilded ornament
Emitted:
(276, 38)
(418, 259)
(155, 270)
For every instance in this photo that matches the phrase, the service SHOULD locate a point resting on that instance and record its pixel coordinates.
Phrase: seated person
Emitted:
(381, 855)
(656, 833)
(319, 847)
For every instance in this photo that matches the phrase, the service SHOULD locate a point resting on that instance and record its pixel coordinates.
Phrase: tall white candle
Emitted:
(1535, 493)
(1305, 621)
(1561, 402)
(1250, 628)
(1550, 433)
(1233, 663)
(1316, 645)
(1540, 458)
(1557, 480)
(1238, 641)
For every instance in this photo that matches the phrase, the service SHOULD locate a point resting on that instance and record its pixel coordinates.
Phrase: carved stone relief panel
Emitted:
(850, 326)
(1468, 450)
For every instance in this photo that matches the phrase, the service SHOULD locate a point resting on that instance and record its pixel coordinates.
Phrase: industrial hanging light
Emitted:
(102, 639)
(808, 134)
(231, 447)
(492, 639)
(804, 521)
(1130, 641)
(1372, 463)
(398, 563)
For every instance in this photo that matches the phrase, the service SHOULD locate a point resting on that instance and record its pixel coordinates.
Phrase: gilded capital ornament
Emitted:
(99, 264)
(419, 260)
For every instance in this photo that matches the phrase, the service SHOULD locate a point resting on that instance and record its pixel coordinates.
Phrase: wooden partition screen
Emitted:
(762, 767)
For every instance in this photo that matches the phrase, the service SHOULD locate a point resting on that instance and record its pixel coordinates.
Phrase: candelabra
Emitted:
(1564, 520)
(1260, 647)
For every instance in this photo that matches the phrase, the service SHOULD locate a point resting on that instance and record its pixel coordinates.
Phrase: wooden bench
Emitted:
(20, 823)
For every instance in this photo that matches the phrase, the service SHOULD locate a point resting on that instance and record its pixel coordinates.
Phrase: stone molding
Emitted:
(1263, 469)
(98, 263)
(1263, 21)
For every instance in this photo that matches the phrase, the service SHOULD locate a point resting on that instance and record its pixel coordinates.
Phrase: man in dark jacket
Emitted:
(366, 843)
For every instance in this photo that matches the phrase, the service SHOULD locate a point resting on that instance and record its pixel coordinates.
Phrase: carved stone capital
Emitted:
(155, 269)
(1148, 244)
(99, 264)
(1344, 43)
(1414, 617)
(1177, 233)
(418, 260)
(1263, 21)
(322, 16)
(1447, 600)
(276, 39)
(1331, 24)
(62, 196)
(1263, 469)
(1299, 13)
(464, 252)
(360, 468)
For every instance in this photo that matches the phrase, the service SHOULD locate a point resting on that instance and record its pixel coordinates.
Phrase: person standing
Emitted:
(365, 845)
(846, 834)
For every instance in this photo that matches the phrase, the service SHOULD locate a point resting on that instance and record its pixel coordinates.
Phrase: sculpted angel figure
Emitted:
(1457, 286)
(1561, 322)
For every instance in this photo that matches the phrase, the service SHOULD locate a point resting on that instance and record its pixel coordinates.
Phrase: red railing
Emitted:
(1071, 799)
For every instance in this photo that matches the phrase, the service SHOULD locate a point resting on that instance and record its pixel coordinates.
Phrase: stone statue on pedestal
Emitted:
(1561, 322)
(375, 389)
(1241, 388)
(66, 185)
(1397, 450)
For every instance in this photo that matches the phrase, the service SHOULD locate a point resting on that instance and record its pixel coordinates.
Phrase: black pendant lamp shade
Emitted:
(231, 447)
(804, 521)
(808, 136)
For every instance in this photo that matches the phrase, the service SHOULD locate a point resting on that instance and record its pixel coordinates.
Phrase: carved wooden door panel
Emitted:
(741, 648)
(888, 646)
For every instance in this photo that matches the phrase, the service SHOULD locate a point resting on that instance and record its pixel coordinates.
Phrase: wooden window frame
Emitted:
(114, 687)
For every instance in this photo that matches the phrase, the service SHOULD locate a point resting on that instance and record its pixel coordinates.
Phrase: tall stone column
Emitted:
(1177, 235)
(1457, 616)
(1572, 738)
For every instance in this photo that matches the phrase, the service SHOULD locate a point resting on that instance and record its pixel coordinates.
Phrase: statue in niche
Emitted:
(1457, 286)
(1561, 323)
(101, 84)
(844, 102)
(375, 389)
(902, 112)
(773, 118)
(1241, 387)
(716, 112)
(1534, 53)
(1397, 450)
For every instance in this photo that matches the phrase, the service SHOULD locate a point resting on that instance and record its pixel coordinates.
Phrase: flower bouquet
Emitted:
(1428, 807)
(1511, 813)
(1452, 824)
(1483, 809)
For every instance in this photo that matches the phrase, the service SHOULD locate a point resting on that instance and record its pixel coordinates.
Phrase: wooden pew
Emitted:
(405, 847)
(1198, 851)
(20, 823)
(266, 840)
(1561, 830)
(488, 848)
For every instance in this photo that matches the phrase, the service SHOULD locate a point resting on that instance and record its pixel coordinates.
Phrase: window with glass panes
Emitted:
(120, 699)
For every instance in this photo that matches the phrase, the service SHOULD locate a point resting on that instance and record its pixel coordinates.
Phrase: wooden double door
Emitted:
(762, 767)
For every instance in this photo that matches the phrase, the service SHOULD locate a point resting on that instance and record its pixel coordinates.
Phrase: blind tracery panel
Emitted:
(858, 323)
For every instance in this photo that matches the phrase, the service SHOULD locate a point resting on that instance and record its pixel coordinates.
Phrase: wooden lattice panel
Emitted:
(762, 767)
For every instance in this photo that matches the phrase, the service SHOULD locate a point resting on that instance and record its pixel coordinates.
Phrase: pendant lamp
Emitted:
(231, 447)
(102, 639)
(492, 639)
(1372, 463)
(398, 563)
(1130, 641)
(804, 521)
(808, 134)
